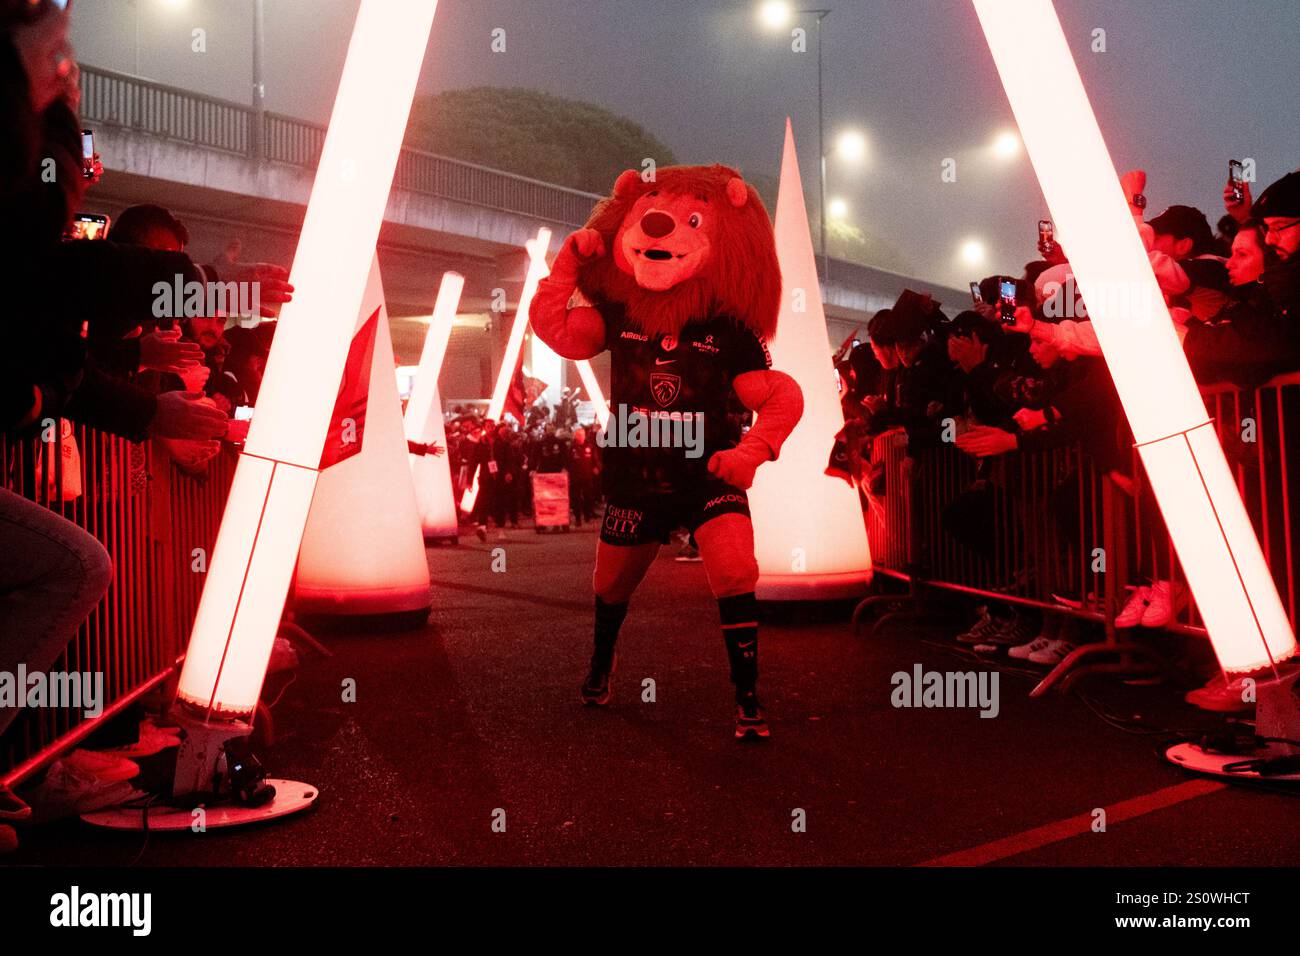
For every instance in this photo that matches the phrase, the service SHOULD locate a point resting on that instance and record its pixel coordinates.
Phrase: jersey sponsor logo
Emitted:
(665, 387)
(623, 522)
(635, 336)
(664, 361)
(724, 500)
(706, 345)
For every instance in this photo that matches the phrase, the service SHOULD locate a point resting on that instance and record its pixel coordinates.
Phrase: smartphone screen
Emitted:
(87, 144)
(1007, 305)
(244, 413)
(1236, 177)
(88, 226)
(975, 293)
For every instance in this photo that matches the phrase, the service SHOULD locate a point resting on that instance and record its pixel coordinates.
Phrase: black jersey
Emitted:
(680, 387)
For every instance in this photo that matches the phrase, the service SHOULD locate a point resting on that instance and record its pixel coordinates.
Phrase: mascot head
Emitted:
(693, 243)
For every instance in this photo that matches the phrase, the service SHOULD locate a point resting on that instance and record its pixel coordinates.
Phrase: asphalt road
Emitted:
(477, 716)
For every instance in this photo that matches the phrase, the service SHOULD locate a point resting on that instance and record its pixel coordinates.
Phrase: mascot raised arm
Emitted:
(677, 277)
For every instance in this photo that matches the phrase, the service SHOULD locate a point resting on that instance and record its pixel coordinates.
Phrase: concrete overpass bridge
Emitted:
(208, 161)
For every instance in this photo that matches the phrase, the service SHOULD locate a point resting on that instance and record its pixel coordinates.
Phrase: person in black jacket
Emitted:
(1257, 338)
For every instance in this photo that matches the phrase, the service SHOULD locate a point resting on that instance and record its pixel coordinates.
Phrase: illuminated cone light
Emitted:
(537, 271)
(424, 423)
(809, 534)
(362, 551)
(1175, 436)
(248, 577)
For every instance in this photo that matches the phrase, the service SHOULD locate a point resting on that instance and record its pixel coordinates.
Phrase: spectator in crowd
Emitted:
(1259, 336)
(584, 470)
(1183, 234)
(505, 468)
(64, 298)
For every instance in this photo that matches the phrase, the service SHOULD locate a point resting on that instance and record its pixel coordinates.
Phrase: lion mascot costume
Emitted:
(677, 277)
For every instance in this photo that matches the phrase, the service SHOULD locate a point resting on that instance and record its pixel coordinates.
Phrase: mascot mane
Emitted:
(742, 278)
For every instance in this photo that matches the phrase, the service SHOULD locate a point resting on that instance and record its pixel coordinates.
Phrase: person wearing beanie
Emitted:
(1259, 337)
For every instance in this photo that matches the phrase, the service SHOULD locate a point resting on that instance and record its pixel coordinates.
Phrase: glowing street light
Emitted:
(1006, 145)
(973, 252)
(838, 209)
(851, 146)
(775, 14)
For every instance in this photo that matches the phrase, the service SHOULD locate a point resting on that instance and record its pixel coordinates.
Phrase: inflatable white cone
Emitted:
(809, 533)
(362, 551)
(424, 423)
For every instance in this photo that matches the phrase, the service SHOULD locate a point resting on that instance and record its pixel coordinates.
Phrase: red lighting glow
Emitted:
(1175, 437)
(248, 577)
(809, 535)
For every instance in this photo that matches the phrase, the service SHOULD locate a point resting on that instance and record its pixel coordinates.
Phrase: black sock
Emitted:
(609, 618)
(739, 614)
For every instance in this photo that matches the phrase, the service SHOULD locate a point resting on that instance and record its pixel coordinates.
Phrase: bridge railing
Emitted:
(119, 99)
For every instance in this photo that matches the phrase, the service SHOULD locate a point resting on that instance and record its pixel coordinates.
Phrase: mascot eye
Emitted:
(695, 220)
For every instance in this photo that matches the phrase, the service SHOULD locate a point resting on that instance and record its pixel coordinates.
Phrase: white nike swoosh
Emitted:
(665, 361)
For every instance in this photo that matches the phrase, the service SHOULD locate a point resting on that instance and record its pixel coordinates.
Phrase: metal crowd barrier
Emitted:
(158, 524)
(1065, 538)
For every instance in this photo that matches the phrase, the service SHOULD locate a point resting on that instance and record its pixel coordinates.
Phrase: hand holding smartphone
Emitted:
(1007, 300)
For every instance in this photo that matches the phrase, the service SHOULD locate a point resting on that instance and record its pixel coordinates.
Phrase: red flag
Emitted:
(517, 397)
(348, 423)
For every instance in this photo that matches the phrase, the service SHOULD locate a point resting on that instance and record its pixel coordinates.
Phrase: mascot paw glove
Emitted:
(737, 465)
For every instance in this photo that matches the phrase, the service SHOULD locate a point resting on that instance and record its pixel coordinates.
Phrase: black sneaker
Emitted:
(751, 724)
(595, 689)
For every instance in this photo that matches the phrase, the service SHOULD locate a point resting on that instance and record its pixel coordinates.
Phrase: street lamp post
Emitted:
(257, 122)
(776, 12)
(821, 143)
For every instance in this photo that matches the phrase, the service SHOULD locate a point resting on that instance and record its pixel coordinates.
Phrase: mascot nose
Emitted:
(656, 225)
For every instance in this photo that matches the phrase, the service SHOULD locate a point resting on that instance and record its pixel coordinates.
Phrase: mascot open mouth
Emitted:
(657, 255)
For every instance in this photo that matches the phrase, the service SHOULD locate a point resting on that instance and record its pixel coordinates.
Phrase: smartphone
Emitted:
(1237, 177)
(244, 413)
(1007, 300)
(1046, 238)
(975, 293)
(88, 153)
(87, 225)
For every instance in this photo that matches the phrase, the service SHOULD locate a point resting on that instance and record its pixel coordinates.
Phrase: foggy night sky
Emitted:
(1184, 86)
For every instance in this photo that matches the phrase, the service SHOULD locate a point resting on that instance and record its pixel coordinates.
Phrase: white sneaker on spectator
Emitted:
(1021, 651)
(1167, 599)
(1055, 652)
(1136, 607)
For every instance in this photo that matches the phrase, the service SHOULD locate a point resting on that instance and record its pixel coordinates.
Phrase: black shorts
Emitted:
(632, 519)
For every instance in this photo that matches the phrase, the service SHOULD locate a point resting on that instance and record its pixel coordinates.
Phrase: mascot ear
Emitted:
(626, 183)
(737, 191)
